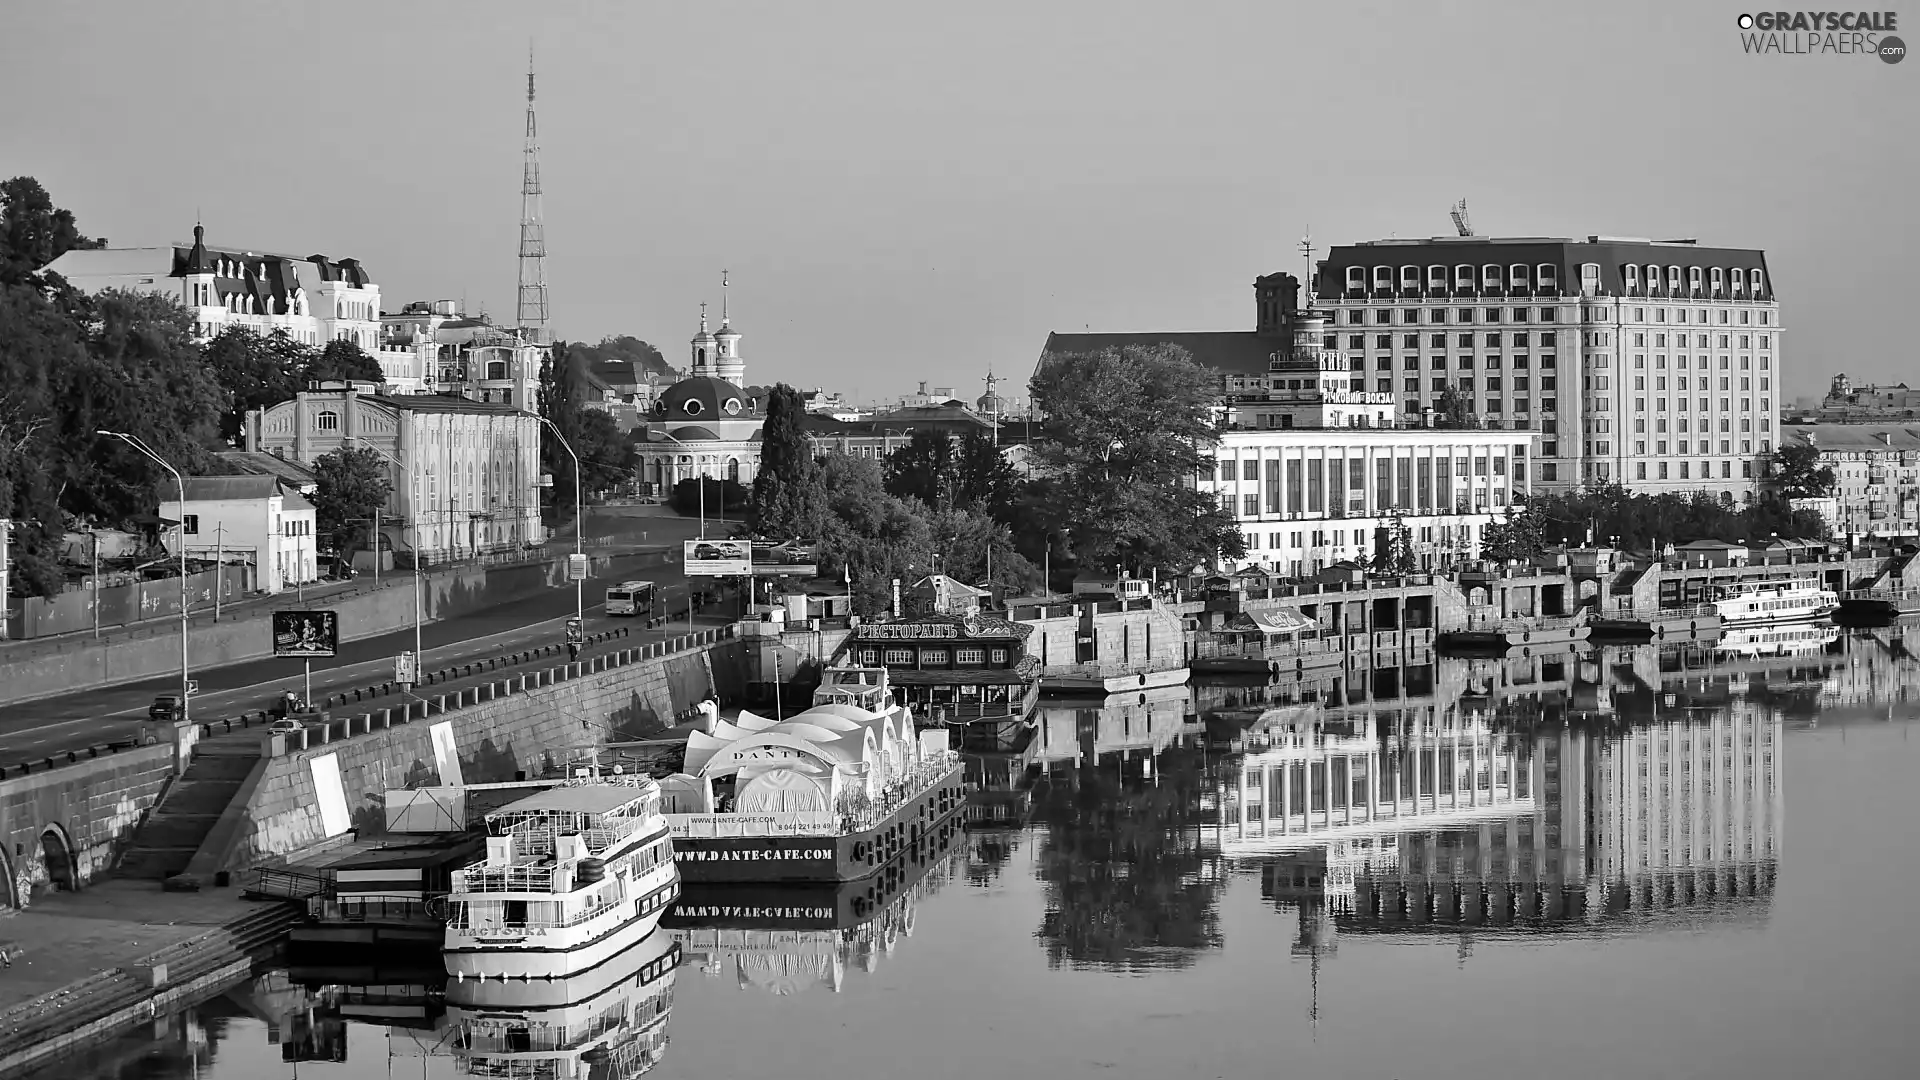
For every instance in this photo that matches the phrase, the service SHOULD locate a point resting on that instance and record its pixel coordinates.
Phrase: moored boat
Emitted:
(1772, 600)
(573, 876)
(830, 794)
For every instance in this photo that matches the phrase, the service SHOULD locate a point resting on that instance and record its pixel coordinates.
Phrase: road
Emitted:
(38, 729)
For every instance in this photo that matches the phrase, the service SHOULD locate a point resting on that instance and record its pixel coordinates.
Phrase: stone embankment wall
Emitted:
(514, 729)
(66, 826)
(63, 666)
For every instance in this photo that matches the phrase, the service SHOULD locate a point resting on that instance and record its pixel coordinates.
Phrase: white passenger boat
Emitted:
(1772, 600)
(574, 876)
(1757, 641)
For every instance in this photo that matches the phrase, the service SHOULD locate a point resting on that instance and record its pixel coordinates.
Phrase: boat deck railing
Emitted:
(528, 877)
(904, 788)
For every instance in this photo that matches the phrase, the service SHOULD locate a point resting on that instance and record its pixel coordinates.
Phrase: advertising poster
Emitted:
(797, 558)
(718, 558)
(306, 633)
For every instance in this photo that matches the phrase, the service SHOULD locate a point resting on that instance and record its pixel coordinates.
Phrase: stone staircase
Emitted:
(180, 822)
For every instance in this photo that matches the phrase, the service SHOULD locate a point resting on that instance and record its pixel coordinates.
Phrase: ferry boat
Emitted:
(573, 876)
(609, 1022)
(1773, 600)
(830, 794)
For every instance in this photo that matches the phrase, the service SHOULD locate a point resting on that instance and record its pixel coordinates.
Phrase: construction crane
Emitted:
(1460, 223)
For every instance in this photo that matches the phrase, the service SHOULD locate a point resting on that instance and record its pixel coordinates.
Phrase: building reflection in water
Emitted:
(1586, 790)
(787, 939)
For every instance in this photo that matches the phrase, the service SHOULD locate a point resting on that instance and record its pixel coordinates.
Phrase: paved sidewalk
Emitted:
(64, 940)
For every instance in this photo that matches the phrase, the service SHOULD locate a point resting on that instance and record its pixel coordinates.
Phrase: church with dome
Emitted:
(705, 424)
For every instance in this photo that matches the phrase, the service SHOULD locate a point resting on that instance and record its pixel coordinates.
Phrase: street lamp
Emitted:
(413, 512)
(579, 524)
(186, 684)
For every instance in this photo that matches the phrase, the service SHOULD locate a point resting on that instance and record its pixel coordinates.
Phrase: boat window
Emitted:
(516, 913)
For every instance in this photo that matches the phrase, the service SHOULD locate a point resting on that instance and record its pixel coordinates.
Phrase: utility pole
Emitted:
(219, 570)
(95, 534)
(579, 586)
(6, 571)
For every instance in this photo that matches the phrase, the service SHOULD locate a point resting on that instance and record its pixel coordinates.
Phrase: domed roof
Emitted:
(991, 402)
(705, 399)
(727, 330)
(693, 433)
(702, 336)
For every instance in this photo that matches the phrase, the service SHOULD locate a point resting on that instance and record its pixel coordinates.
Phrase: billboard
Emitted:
(717, 558)
(773, 558)
(306, 633)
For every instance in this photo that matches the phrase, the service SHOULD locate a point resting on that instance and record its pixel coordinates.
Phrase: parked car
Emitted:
(165, 709)
(285, 726)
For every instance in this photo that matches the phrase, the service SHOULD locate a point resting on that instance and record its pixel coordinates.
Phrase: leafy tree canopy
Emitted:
(34, 232)
(787, 498)
(1127, 430)
(343, 360)
(351, 483)
(254, 371)
(1611, 514)
(646, 359)
(1798, 469)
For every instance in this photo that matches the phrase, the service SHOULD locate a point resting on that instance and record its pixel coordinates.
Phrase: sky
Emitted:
(920, 192)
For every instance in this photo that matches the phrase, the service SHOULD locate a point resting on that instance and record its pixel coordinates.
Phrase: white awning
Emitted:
(1281, 621)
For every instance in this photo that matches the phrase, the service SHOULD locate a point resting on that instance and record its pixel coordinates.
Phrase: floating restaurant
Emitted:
(954, 669)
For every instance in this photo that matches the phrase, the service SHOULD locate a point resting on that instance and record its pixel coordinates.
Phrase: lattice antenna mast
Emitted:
(531, 317)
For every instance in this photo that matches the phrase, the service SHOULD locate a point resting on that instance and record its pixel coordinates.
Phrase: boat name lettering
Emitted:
(731, 912)
(741, 854)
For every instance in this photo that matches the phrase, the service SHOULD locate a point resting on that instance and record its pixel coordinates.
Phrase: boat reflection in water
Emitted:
(783, 939)
(605, 1024)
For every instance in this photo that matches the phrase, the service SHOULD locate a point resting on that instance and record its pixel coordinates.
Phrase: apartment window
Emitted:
(1384, 363)
(1385, 386)
(1466, 384)
(1466, 363)
(1660, 447)
(1411, 363)
(1465, 314)
(1663, 469)
(1520, 383)
(190, 524)
(1549, 471)
(1438, 341)
(1356, 341)
(327, 421)
(1439, 363)
(1249, 469)
(1439, 385)
(1640, 447)
(1249, 506)
(1683, 468)
(1411, 315)
(1493, 384)
(1437, 315)
(1465, 341)
(1383, 341)
(1410, 341)
(1413, 386)
(1383, 316)
(1549, 382)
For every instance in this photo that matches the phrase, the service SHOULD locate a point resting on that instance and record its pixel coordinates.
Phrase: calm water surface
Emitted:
(1623, 862)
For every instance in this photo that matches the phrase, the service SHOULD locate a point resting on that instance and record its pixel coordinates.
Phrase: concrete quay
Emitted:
(83, 966)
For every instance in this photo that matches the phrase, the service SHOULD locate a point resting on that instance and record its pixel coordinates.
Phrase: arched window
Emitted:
(733, 469)
(326, 421)
(693, 407)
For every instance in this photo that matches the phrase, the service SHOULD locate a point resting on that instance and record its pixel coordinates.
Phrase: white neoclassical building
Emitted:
(312, 299)
(465, 474)
(247, 516)
(705, 424)
(1318, 465)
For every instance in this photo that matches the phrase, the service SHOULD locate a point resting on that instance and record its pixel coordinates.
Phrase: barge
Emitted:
(1491, 636)
(831, 794)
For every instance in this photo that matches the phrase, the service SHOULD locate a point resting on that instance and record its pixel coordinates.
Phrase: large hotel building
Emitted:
(1650, 363)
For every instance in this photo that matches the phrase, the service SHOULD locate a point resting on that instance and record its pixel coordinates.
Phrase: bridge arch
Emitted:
(56, 850)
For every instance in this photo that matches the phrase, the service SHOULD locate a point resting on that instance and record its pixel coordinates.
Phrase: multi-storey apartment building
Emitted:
(1876, 476)
(311, 299)
(1652, 363)
(1317, 467)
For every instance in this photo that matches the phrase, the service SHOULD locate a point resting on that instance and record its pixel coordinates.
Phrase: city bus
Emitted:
(633, 598)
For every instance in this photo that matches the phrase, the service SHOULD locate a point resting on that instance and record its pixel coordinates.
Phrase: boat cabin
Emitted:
(954, 667)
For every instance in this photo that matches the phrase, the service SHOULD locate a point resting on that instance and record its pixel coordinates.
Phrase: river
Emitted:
(1615, 862)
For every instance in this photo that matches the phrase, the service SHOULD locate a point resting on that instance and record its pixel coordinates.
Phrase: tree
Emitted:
(343, 361)
(143, 374)
(253, 372)
(561, 394)
(924, 469)
(33, 232)
(1126, 432)
(1453, 409)
(36, 341)
(608, 457)
(644, 358)
(964, 536)
(1521, 536)
(1393, 547)
(1799, 472)
(787, 502)
(985, 478)
(721, 497)
(351, 485)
